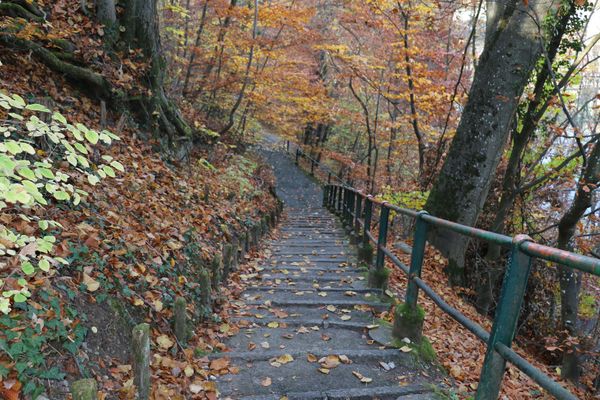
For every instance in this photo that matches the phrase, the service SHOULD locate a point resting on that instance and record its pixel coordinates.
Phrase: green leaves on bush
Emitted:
(30, 152)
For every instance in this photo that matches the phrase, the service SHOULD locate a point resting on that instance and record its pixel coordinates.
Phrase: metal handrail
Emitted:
(353, 204)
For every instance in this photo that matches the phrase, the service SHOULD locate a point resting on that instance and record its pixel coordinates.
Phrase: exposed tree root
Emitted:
(95, 83)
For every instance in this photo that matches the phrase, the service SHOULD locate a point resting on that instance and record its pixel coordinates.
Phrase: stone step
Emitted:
(277, 298)
(301, 284)
(302, 379)
(387, 392)
(316, 276)
(365, 315)
(296, 338)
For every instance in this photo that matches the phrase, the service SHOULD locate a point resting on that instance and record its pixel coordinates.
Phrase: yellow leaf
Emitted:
(188, 371)
(91, 284)
(273, 324)
(158, 305)
(284, 359)
(164, 342)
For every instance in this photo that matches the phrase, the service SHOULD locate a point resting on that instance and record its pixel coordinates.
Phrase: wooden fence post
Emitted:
(180, 319)
(141, 360)
(84, 389)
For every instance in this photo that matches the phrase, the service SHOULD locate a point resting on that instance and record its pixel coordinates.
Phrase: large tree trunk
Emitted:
(570, 279)
(502, 73)
(140, 20)
(535, 110)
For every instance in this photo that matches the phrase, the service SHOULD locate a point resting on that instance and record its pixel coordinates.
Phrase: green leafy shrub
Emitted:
(39, 158)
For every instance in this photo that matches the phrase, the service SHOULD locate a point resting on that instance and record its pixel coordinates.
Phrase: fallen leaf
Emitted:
(91, 284)
(361, 377)
(164, 342)
(331, 361)
(405, 349)
(284, 359)
(219, 364)
(266, 382)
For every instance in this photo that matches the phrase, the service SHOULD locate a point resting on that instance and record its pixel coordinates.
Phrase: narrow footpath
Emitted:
(308, 311)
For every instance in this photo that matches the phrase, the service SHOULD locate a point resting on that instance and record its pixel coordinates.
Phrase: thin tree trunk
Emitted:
(247, 73)
(190, 66)
(413, 106)
(570, 279)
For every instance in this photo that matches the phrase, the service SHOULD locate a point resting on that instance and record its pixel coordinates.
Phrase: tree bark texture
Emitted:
(462, 187)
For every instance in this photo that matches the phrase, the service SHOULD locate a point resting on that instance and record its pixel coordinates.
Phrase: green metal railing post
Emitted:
(368, 216)
(505, 322)
(297, 155)
(326, 195)
(357, 212)
(287, 146)
(312, 167)
(329, 178)
(351, 200)
(339, 199)
(416, 260)
(382, 239)
(344, 204)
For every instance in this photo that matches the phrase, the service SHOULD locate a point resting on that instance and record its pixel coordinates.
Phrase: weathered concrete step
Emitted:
(309, 294)
(320, 302)
(363, 316)
(338, 284)
(273, 268)
(291, 243)
(308, 322)
(310, 251)
(298, 261)
(309, 271)
(314, 258)
(324, 289)
(316, 277)
(314, 236)
(355, 355)
(341, 382)
(387, 392)
(301, 338)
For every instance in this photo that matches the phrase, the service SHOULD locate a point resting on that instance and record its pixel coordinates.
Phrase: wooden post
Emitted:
(216, 267)
(227, 260)
(235, 261)
(141, 360)
(103, 122)
(205, 294)
(180, 320)
(84, 389)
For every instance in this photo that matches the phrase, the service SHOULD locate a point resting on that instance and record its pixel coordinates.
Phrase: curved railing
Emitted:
(356, 210)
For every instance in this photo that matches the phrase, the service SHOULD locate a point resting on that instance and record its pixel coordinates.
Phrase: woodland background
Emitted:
(482, 112)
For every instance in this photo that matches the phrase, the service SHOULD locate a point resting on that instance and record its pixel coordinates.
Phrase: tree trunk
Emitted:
(502, 73)
(188, 73)
(106, 14)
(240, 97)
(535, 110)
(570, 279)
(140, 20)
